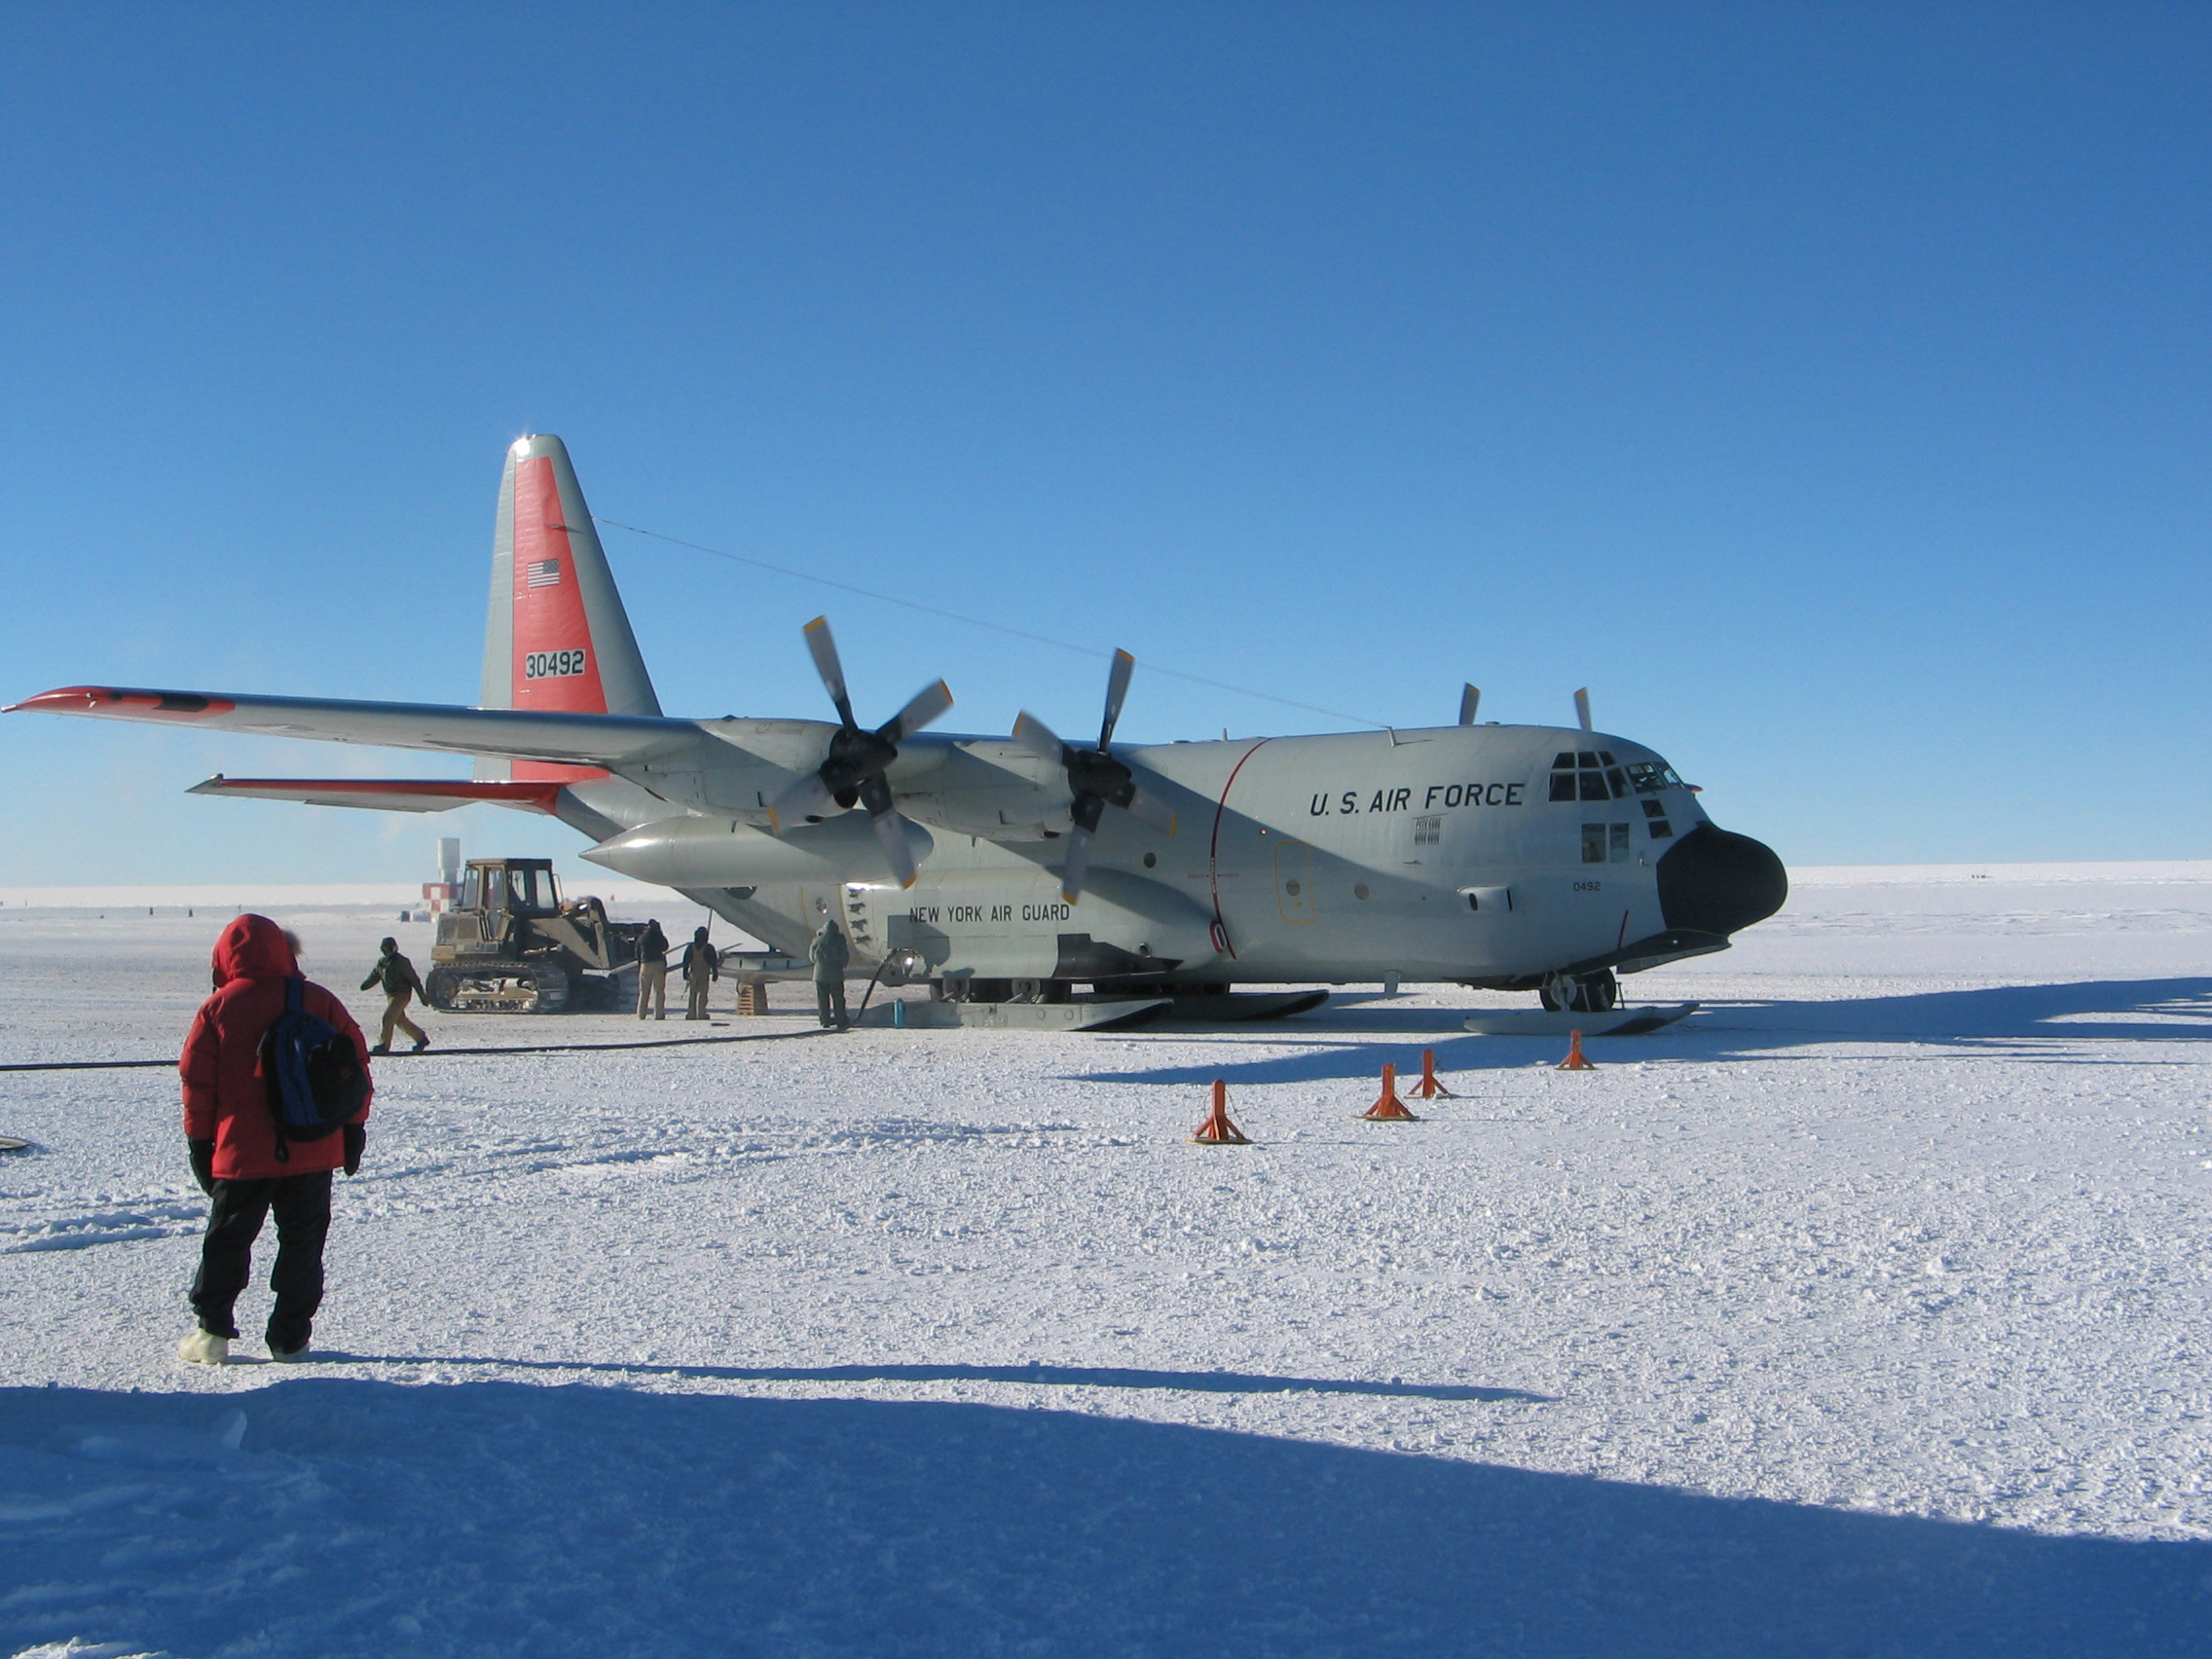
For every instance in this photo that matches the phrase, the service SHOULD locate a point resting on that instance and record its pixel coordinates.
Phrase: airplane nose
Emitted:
(1715, 881)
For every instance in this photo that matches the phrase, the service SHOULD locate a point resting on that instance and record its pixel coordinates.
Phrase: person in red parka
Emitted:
(235, 1150)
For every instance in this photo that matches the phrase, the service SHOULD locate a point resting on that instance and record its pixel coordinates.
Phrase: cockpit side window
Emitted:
(1649, 777)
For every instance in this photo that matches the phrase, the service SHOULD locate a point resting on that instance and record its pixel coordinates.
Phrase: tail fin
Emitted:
(556, 637)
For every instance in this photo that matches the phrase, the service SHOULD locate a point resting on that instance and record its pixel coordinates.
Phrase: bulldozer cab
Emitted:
(523, 886)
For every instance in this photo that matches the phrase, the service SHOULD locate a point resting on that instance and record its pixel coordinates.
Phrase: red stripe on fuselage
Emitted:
(550, 622)
(1213, 846)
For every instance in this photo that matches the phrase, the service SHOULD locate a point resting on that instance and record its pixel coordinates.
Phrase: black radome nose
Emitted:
(1715, 881)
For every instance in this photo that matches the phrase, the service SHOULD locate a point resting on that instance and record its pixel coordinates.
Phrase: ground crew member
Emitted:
(830, 954)
(702, 966)
(232, 1137)
(652, 970)
(400, 984)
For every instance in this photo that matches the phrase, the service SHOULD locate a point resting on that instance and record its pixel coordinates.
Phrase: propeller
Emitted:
(1470, 700)
(1095, 777)
(854, 773)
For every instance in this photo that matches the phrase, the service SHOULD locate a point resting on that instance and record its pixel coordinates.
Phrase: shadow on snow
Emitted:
(1040, 1376)
(497, 1518)
(2028, 1020)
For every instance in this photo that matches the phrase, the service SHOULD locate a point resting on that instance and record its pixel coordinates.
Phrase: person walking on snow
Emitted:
(232, 1136)
(400, 982)
(652, 970)
(830, 954)
(702, 966)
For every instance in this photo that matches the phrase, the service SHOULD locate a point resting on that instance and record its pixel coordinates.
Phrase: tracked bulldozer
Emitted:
(511, 944)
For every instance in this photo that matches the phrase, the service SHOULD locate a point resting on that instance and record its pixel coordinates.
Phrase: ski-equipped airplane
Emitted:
(1021, 868)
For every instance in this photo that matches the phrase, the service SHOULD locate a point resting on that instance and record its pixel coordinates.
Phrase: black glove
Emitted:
(357, 1137)
(203, 1165)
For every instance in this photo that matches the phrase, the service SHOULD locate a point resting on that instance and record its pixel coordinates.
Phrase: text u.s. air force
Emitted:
(1433, 797)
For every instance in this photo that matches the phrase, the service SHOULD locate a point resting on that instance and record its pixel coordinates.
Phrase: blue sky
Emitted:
(1824, 386)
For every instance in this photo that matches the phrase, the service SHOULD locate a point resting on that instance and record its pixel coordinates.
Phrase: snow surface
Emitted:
(1866, 1314)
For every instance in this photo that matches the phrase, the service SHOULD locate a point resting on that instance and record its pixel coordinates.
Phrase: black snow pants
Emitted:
(302, 1203)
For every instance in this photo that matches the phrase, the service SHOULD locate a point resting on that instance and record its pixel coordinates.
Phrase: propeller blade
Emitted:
(806, 798)
(1034, 735)
(1117, 688)
(1582, 707)
(891, 832)
(824, 647)
(922, 709)
(1470, 699)
(1077, 863)
(1151, 812)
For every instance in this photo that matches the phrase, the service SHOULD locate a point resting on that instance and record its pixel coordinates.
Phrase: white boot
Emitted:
(204, 1347)
(287, 1356)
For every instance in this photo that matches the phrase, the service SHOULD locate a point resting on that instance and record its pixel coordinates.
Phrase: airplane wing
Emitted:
(385, 794)
(518, 734)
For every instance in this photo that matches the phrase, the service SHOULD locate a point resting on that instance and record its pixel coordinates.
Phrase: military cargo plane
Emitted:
(1023, 867)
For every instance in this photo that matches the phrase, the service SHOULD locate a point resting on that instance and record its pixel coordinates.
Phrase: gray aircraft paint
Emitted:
(1432, 854)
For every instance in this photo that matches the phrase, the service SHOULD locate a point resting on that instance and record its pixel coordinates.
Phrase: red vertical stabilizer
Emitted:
(557, 638)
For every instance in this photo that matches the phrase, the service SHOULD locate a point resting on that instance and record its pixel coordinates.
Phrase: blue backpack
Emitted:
(314, 1077)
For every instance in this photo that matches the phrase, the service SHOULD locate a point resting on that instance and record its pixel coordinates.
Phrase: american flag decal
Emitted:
(542, 573)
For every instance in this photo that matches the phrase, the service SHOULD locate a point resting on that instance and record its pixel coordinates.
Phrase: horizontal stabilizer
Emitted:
(384, 794)
(523, 735)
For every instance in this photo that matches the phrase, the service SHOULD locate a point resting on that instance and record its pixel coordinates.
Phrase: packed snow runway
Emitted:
(1863, 1313)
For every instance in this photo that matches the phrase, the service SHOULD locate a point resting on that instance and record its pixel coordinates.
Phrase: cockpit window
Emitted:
(1593, 787)
(1649, 777)
(1565, 762)
(1587, 758)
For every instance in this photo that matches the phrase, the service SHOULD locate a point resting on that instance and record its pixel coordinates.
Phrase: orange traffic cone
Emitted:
(1217, 1129)
(1430, 1087)
(1390, 1109)
(1576, 1059)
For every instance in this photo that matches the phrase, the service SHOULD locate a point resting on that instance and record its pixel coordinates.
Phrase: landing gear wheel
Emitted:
(1581, 993)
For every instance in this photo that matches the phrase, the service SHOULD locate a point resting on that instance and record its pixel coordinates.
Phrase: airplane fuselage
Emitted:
(1443, 854)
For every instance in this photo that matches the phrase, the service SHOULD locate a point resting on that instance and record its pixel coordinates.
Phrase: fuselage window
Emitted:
(1652, 809)
(1661, 830)
(1620, 843)
(1592, 844)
